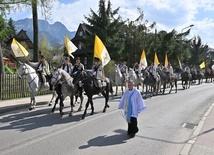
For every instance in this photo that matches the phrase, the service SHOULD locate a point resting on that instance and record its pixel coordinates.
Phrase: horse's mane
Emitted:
(28, 66)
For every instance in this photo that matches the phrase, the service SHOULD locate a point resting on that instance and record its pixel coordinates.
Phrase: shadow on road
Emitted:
(119, 138)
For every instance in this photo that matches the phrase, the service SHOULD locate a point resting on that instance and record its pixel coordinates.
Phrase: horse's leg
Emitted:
(116, 89)
(72, 105)
(171, 85)
(61, 105)
(56, 101)
(81, 101)
(53, 95)
(86, 107)
(92, 106)
(31, 102)
(106, 95)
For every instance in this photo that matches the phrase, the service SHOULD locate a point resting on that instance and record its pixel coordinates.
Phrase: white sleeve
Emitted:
(34, 64)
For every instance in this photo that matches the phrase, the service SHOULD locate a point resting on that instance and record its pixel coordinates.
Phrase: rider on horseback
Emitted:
(152, 71)
(42, 68)
(67, 66)
(136, 69)
(78, 66)
(124, 70)
(98, 73)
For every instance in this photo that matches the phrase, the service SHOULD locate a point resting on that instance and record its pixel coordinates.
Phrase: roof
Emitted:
(81, 51)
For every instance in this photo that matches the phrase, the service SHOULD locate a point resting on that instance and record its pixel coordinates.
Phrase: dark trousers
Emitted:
(132, 126)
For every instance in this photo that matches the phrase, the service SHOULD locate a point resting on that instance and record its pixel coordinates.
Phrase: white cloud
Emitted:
(167, 14)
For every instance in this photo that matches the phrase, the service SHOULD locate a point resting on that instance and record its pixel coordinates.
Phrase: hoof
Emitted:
(61, 113)
(71, 114)
(115, 95)
(79, 109)
(92, 113)
(83, 117)
(104, 110)
(31, 108)
(50, 104)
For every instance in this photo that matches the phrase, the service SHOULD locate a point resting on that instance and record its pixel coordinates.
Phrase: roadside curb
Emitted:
(187, 147)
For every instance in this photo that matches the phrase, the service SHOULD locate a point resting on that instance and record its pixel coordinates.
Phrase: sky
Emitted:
(168, 14)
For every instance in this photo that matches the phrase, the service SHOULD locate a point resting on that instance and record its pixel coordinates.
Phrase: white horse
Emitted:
(119, 80)
(34, 84)
(67, 89)
(133, 76)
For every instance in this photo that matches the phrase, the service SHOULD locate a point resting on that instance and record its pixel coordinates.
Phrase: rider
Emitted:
(124, 70)
(136, 69)
(98, 73)
(77, 67)
(67, 66)
(42, 68)
(152, 71)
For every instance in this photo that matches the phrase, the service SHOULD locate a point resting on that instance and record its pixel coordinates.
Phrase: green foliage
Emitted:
(107, 27)
(109, 69)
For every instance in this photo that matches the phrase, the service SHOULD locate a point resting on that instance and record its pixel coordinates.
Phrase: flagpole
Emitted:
(22, 51)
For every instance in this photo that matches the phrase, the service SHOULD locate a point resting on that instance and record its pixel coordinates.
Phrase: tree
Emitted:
(11, 28)
(108, 27)
(7, 5)
(198, 51)
(44, 47)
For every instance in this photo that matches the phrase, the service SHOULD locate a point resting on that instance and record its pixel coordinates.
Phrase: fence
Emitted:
(12, 87)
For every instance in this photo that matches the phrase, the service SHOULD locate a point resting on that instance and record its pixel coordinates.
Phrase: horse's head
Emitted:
(56, 76)
(23, 70)
(78, 77)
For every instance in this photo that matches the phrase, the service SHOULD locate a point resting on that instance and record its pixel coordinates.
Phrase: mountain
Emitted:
(54, 33)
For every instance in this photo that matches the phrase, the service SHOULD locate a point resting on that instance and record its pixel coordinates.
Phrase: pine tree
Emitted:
(107, 27)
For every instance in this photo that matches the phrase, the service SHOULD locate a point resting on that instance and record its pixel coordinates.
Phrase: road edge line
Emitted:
(187, 147)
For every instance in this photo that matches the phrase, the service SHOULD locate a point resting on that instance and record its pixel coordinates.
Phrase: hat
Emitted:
(77, 58)
(66, 58)
(42, 56)
(96, 59)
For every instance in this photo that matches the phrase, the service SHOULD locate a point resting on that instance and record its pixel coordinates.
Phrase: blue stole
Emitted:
(129, 108)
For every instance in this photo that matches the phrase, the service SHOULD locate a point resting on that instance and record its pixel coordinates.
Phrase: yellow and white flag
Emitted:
(202, 65)
(100, 51)
(71, 48)
(143, 62)
(156, 61)
(166, 63)
(18, 49)
(179, 62)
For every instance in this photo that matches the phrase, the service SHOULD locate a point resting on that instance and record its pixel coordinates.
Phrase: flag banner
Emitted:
(143, 61)
(156, 61)
(100, 51)
(166, 63)
(71, 48)
(202, 65)
(180, 64)
(18, 49)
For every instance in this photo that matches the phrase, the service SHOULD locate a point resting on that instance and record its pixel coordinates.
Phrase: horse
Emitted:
(149, 80)
(87, 82)
(167, 78)
(208, 74)
(135, 78)
(63, 84)
(200, 76)
(34, 85)
(186, 79)
(119, 80)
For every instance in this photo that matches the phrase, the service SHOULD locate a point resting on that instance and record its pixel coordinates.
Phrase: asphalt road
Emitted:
(161, 125)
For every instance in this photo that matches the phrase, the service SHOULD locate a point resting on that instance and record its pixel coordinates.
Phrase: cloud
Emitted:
(167, 14)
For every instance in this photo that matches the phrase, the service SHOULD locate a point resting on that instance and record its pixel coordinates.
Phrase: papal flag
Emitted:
(71, 48)
(202, 65)
(18, 49)
(143, 62)
(100, 51)
(166, 63)
(179, 62)
(156, 61)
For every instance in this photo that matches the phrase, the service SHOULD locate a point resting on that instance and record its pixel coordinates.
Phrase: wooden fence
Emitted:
(12, 87)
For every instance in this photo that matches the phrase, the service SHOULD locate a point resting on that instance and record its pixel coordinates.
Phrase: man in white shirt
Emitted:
(67, 66)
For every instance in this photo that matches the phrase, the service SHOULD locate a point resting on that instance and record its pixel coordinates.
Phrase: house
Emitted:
(85, 55)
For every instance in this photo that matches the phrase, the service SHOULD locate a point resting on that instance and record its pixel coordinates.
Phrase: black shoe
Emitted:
(132, 135)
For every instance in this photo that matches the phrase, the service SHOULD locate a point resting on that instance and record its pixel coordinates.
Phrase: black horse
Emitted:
(166, 78)
(87, 82)
(186, 79)
(149, 80)
(208, 75)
